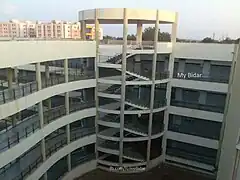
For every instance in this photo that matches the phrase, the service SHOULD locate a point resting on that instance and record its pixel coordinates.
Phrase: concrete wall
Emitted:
(190, 139)
(232, 128)
(16, 53)
(220, 52)
(211, 116)
(200, 85)
(200, 51)
(115, 15)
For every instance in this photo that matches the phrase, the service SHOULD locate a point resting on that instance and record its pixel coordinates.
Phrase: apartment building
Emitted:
(69, 107)
(15, 28)
(46, 30)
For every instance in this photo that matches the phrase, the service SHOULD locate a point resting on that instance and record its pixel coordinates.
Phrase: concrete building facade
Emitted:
(68, 107)
(46, 30)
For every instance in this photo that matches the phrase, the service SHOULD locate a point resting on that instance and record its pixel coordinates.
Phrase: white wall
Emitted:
(115, 15)
(190, 139)
(26, 144)
(232, 128)
(211, 116)
(200, 85)
(16, 53)
(200, 51)
(220, 52)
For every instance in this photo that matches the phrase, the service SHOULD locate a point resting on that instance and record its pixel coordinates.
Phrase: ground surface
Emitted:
(161, 173)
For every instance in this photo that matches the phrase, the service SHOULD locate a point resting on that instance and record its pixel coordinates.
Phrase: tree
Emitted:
(148, 35)
(131, 37)
(228, 40)
(107, 37)
(208, 40)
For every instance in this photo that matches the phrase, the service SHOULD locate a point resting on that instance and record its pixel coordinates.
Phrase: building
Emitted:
(229, 167)
(68, 107)
(46, 30)
(90, 32)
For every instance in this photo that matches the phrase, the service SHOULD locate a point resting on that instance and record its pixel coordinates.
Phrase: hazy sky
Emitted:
(197, 18)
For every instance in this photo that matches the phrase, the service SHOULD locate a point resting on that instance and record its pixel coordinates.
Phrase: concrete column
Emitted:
(235, 173)
(206, 68)
(16, 75)
(181, 65)
(47, 77)
(96, 75)
(235, 58)
(169, 87)
(10, 78)
(67, 112)
(11, 93)
(139, 33)
(40, 112)
(123, 87)
(38, 76)
(83, 30)
(152, 89)
(202, 97)
(137, 64)
(179, 94)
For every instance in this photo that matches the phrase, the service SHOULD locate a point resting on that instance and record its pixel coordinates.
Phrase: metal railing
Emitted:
(8, 95)
(51, 150)
(49, 116)
(190, 156)
(28, 170)
(194, 130)
(195, 105)
(83, 159)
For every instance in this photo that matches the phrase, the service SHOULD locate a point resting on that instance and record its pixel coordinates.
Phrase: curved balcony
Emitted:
(52, 150)
(13, 153)
(31, 99)
(24, 129)
(9, 95)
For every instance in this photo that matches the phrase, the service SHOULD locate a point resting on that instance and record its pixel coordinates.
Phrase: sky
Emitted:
(197, 18)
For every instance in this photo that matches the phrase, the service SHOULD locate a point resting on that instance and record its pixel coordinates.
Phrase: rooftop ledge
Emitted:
(115, 16)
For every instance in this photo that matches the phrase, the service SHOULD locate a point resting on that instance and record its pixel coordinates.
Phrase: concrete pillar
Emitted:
(181, 65)
(47, 77)
(16, 81)
(139, 33)
(40, 112)
(96, 75)
(137, 64)
(169, 87)
(179, 94)
(67, 113)
(202, 97)
(11, 92)
(123, 86)
(152, 89)
(219, 162)
(16, 75)
(83, 30)
(206, 68)
(10, 78)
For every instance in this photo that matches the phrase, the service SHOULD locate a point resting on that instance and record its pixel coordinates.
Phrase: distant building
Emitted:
(46, 30)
